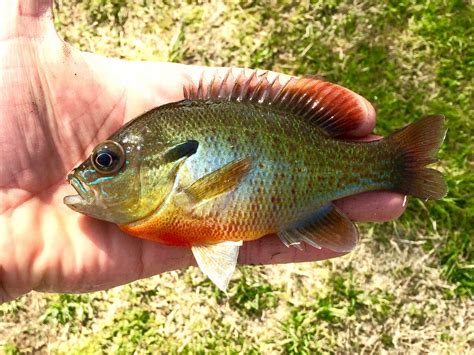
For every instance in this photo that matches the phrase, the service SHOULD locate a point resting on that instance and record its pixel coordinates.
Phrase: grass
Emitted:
(408, 286)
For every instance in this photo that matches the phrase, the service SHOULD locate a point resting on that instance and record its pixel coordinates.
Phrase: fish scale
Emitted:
(285, 184)
(242, 157)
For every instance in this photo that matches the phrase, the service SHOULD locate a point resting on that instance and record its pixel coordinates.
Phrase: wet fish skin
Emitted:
(243, 157)
(296, 169)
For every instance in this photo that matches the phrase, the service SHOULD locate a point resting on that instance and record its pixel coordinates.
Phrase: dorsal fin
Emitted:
(334, 109)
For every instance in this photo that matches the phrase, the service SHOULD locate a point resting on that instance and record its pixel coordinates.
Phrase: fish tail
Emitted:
(416, 146)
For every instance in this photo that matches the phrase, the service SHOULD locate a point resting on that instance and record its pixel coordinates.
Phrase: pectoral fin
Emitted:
(219, 181)
(218, 261)
(328, 228)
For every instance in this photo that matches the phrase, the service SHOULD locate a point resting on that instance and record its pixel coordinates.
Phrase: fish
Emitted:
(242, 157)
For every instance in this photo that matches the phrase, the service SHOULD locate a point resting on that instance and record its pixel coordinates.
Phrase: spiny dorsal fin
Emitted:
(334, 109)
(327, 228)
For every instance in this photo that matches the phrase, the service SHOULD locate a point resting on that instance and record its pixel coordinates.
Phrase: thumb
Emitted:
(25, 18)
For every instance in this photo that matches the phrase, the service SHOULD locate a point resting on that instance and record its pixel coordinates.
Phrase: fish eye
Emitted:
(108, 157)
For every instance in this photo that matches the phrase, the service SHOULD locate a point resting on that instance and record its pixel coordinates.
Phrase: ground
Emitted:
(408, 286)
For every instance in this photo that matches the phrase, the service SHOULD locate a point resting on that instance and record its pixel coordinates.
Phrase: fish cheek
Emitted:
(118, 198)
(157, 169)
(138, 191)
(155, 186)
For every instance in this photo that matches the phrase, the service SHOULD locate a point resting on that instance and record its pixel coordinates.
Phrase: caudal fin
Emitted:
(416, 146)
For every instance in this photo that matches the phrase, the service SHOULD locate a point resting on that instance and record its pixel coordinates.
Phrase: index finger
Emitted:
(270, 250)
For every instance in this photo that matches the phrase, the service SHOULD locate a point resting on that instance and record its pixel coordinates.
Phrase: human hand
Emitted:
(57, 103)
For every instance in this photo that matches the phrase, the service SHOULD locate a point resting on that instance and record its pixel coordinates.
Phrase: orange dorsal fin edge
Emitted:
(333, 108)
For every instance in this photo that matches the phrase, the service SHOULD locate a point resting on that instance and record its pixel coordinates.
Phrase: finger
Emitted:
(34, 8)
(270, 250)
(101, 256)
(26, 8)
(373, 206)
(19, 18)
(368, 114)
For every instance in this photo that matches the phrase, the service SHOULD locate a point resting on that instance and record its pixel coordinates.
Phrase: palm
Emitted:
(56, 104)
(59, 103)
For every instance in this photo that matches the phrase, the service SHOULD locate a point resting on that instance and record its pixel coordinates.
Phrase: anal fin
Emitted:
(218, 261)
(327, 228)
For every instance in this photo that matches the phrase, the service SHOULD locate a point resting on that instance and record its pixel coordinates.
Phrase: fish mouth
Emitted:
(83, 196)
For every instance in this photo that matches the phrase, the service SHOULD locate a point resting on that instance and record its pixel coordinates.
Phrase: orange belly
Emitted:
(173, 231)
(188, 231)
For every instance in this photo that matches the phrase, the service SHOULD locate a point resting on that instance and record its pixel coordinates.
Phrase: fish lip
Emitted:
(73, 200)
(82, 189)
